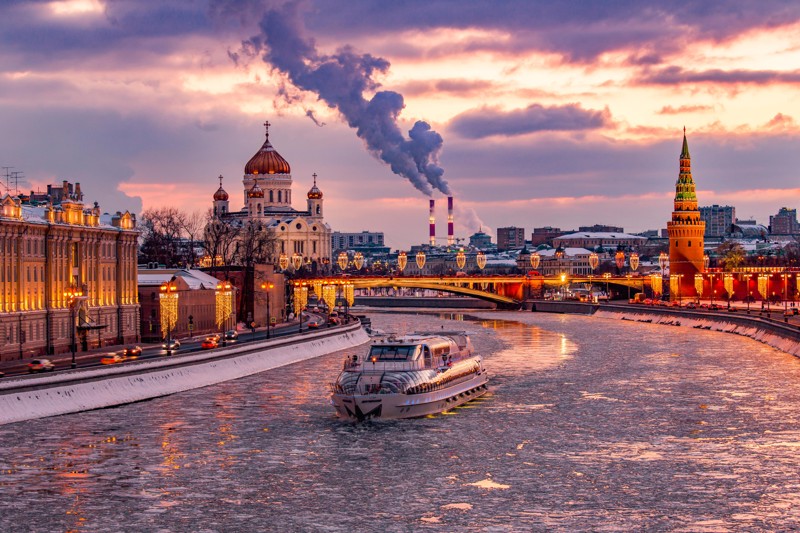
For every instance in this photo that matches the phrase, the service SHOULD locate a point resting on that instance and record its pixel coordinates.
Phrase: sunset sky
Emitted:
(539, 113)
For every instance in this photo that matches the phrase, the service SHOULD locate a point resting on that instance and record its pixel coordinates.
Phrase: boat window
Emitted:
(392, 353)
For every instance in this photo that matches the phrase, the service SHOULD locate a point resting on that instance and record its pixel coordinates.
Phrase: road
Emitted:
(92, 359)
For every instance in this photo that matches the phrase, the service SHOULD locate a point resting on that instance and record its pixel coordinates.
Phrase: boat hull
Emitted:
(360, 407)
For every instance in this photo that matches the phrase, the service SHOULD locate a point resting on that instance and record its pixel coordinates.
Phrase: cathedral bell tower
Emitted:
(685, 231)
(220, 201)
(315, 200)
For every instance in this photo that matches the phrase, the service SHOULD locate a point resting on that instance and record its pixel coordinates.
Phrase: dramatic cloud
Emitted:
(341, 81)
(485, 122)
(670, 110)
(677, 75)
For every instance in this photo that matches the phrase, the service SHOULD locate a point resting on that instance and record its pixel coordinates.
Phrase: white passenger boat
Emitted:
(410, 376)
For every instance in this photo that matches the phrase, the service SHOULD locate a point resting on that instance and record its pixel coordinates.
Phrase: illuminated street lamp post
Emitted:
(607, 275)
(73, 295)
(266, 287)
(785, 292)
(679, 276)
(168, 301)
(223, 300)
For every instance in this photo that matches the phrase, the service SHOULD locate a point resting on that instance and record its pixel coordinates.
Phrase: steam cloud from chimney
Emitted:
(340, 80)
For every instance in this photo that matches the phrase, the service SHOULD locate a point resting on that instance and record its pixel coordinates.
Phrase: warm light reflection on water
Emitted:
(589, 425)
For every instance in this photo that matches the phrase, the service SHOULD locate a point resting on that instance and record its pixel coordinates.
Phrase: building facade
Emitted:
(267, 193)
(341, 241)
(686, 231)
(718, 219)
(510, 238)
(784, 222)
(592, 241)
(67, 275)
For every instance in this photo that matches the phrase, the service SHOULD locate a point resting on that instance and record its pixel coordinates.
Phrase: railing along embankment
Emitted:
(779, 335)
(71, 391)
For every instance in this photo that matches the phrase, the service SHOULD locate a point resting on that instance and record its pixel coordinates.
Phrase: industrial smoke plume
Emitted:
(340, 80)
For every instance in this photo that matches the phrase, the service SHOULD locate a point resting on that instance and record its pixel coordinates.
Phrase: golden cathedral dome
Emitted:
(267, 160)
(314, 193)
(220, 195)
(255, 192)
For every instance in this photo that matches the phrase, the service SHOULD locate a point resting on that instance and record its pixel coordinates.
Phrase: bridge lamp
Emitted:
(297, 261)
(535, 260)
(358, 260)
(663, 261)
(283, 262)
(480, 259)
(420, 259)
(461, 259)
(402, 260)
(342, 260)
(633, 261)
(619, 258)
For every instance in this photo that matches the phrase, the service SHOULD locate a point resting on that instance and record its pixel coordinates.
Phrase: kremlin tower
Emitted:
(685, 231)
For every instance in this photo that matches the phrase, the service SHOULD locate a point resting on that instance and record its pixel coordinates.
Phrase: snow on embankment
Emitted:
(778, 336)
(82, 390)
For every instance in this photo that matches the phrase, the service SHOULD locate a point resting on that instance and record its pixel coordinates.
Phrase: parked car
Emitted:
(132, 351)
(231, 335)
(172, 345)
(40, 365)
(209, 343)
(112, 358)
(714, 307)
(691, 305)
(313, 324)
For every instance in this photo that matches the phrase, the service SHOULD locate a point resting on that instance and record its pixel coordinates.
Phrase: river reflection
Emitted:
(590, 425)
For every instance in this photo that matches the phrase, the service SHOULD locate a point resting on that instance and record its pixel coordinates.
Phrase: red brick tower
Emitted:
(685, 232)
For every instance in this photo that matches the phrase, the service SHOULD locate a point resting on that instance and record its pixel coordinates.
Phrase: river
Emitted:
(591, 424)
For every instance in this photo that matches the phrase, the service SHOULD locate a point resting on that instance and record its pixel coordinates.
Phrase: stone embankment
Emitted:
(780, 335)
(72, 391)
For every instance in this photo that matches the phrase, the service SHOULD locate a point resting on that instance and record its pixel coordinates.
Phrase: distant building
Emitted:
(600, 228)
(510, 238)
(592, 241)
(480, 240)
(784, 223)
(718, 219)
(341, 241)
(58, 247)
(545, 235)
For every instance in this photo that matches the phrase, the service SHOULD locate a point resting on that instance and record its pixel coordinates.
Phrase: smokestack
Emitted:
(451, 239)
(432, 222)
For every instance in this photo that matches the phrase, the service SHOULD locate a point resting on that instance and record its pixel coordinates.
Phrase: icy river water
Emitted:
(591, 425)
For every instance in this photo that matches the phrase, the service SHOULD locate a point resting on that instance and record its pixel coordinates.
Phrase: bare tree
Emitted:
(161, 237)
(193, 227)
(219, 239)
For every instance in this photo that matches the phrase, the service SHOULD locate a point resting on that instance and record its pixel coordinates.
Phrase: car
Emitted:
(313, 324)
(208, 343)
(714, 307)
(40, 365)
(2, 374)
(215, 337)
(231, 335)
(795, 311)
(132, 351)
(174, 344)
(112, 358)
(691, 305)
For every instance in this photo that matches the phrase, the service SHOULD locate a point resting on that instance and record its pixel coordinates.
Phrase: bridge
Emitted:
(504, 290)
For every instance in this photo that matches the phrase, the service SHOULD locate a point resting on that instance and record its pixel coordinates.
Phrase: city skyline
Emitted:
(548, 114)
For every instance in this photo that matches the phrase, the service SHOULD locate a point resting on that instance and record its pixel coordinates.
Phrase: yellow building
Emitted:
(686, 231)
(66, 271)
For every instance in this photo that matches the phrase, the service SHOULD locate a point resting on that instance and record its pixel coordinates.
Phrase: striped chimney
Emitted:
(432, 222)
(451, 239)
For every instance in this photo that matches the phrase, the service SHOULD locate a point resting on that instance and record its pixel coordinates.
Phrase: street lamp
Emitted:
(679, 276)
(224, 306)
(168, 300)
(266, 287)
(785, 291)
(73, 296)
(563, 286)
(607, 275)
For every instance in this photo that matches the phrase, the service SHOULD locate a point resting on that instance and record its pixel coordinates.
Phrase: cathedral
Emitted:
(267, 193)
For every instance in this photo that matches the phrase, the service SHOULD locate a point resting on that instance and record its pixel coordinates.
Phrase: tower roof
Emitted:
(255, 192)
(267, 160)
(314, 193)
(685, 150)
(220, 194)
